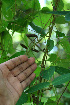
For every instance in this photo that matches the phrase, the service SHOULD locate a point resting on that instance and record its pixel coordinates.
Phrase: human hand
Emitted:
(15, 75)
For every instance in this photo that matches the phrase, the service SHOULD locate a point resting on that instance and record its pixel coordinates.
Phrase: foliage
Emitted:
(17, 16)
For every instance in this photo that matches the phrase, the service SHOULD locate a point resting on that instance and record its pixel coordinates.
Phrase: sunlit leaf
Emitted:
(61, 79)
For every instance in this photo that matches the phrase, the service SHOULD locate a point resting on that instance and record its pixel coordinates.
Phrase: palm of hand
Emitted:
(15, 75)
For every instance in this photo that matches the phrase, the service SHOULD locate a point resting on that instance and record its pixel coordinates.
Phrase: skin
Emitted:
(15, 75)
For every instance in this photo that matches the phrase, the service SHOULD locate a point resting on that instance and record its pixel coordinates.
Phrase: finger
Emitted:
(12, 63)
(17, 70)
(28, 81)
(23, 75)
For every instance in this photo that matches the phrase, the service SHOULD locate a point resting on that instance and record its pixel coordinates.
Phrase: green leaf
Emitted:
(10, 2)
(17, 54)
(38, 29)
(45, 9)
(52, 58)
(38, 87)
(47, 74)
(59, 34)
(3, 25)
(65, 44)
(7, 39)
(43, 19)
(67, 17)
(26, 40)
(26, 4)
(60, 20)
(67, 95)
(60, 5)
(55, 60)
(23, 99)
(59, 12)
(63, 63)
(7, 42)
(50, 44)
(68, 6)
(4, 57)
(20, 22)
(61, 70)
(32, 83)
(41, 103)
(37, 71)
(19, 3)
(61, 79)
(50, 102)
(35, 4)
(59, 86)
(7, 12)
